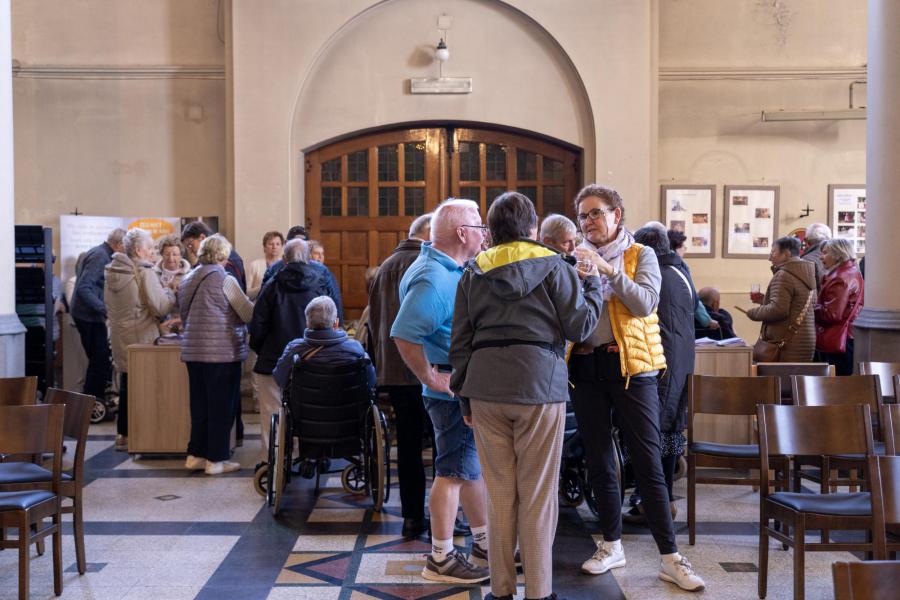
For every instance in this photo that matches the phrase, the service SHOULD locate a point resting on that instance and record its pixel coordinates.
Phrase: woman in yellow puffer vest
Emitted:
(616, 369)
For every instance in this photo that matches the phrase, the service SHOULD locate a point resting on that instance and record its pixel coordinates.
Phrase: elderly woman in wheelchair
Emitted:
(328, 412)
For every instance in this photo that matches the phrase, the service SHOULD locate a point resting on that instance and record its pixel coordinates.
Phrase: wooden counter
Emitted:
(159, 416)
(726, 361)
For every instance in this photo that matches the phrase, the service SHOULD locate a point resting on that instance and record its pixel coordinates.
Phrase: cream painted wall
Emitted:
(117, 145)
(710, 130)
(306, 72)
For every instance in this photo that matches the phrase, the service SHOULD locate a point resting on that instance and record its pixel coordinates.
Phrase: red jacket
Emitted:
(838, 305)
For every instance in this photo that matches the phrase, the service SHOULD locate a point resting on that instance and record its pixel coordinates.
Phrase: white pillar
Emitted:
(12, 333)
(878, 326)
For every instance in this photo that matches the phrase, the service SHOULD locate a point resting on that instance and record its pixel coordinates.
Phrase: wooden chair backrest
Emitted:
(851, 389)
(865, 580)
(76, 424)
(34, 430)
(885, 372)
(18, 391)
(890, 428)
(784, 371)
(884, 479)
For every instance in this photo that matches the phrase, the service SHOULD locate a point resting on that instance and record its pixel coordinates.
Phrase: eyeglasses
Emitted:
(483, 228)
(593, 214)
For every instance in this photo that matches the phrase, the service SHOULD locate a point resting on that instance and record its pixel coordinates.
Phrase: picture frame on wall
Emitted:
(751, 220)
(691, 209)
(847, 214)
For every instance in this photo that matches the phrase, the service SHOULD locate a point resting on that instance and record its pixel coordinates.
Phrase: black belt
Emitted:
(505, 343)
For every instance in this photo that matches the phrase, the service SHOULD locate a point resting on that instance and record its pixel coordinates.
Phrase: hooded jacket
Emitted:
(839, 303)
(516, 306)
(135, 304)
(792, 283)
(278, 315)
(676, 323)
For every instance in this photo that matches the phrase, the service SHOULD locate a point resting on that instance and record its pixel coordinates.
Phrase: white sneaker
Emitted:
(223, 466)
(194, 462)
(609, 555)
(681, 573)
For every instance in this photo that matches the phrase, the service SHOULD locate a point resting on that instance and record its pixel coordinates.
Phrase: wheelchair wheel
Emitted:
(376, 456)
(98, 412)
(261, 480)
(270, 459)
(281, 450)
(570, 493)
(353, 479)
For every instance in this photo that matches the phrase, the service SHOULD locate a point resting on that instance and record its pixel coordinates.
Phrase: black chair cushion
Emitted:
(23, 500)
(879, 451)
(26, 472)
(727, 450)
(858, 504)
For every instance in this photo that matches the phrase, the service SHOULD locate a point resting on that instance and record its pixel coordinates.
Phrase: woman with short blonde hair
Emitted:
(838, 305)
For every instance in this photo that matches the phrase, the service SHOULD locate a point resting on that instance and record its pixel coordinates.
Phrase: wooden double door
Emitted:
(363, 193)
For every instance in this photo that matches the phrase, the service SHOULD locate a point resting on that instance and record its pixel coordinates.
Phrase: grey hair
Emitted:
(655, 225)
(296, 251)
(818, 232)
(554, 226)
(135, 239)
(115, 236)
(840, 249)
(321, 313)
(214, 250)
(449, 215)
(421, 223)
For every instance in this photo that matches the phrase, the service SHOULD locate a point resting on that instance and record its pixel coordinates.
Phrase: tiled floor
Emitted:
(157, 531)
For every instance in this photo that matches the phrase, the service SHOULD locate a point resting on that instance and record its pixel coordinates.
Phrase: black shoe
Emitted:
(413, 528)
(461, 528)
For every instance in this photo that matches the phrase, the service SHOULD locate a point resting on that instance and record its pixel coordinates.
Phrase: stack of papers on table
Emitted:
(706, 341)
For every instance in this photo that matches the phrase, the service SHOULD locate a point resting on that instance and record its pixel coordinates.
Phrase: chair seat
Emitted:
(26, 472)
(857, 504)
(728, 450)
(23, 500)
(879, 451)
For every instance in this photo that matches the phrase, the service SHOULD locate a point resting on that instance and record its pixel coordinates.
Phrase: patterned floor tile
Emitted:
(336, 515)
(305, 593)
(307, 543)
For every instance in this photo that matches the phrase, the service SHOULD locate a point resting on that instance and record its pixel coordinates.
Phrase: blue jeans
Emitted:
(454, 442)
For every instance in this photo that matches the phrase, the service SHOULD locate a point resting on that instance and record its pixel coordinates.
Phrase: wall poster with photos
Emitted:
(847, 214)
(691, 209)
(751, 220)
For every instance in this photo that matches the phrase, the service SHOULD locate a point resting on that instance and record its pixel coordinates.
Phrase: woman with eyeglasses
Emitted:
(616, 369)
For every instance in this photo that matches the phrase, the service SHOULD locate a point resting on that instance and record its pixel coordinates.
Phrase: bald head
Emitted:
(709, 296)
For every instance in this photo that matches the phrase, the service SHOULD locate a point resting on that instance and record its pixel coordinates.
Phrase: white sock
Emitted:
(440, 549)
(479, 537)
(671, 558)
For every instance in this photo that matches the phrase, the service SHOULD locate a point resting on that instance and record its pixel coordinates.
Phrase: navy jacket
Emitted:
(338, 348)
(278, 315)
(87, 299)
(235, 267)
(334, 290)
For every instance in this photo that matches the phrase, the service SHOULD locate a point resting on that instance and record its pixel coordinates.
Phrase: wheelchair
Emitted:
(329, 412)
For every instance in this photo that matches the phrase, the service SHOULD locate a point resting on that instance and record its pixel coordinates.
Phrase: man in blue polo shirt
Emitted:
(422, 334)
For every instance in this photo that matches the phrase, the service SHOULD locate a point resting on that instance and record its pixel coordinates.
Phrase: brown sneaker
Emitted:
(456, 568)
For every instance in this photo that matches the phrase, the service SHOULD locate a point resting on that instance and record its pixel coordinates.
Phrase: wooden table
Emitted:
(726, 361)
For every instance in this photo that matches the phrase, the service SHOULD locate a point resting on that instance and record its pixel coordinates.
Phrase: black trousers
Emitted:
(842, 361)
(214, 388)
(122, 415)
(599, 390)
(411, 423)
(95, 341)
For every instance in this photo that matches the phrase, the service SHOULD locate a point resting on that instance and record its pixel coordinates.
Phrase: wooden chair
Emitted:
(885, 371)
(822, 391)
(18, 391)
(885, 478)
(865, 580)
(784, 371)
(20, 476)
(725, 396)
(890, 428)
(33, 430)
(809, 431)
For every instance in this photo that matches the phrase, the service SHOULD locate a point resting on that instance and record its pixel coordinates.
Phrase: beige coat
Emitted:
(135, 303)
(792, 283)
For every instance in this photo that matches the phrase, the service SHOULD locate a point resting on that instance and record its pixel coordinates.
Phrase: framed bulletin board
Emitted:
(691, 209)
(751, 220)
(847, 214)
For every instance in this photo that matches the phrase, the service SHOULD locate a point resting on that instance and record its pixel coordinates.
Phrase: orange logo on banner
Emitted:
(157, 227)
(799, 233)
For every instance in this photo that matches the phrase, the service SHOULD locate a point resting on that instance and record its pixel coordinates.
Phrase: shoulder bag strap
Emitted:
(196, 289)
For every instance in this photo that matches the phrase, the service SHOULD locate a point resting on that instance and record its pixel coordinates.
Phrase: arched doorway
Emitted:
(362, 193)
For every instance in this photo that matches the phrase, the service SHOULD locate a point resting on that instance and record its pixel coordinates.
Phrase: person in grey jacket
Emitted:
(516, 306)
(89, 312)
